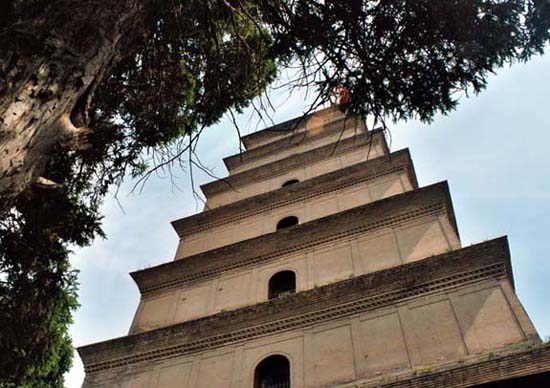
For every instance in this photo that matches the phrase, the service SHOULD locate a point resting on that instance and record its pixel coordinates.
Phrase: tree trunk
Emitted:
(46, 83)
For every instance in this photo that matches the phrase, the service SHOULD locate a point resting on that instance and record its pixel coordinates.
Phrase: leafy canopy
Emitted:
(190, 63)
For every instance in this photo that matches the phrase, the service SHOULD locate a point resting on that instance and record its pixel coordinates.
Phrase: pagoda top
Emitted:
(307, 121)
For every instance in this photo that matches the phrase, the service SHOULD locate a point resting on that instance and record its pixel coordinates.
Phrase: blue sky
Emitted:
(493, 150)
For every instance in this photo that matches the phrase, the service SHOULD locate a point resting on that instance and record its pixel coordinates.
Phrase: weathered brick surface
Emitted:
(434, 199)
(397, 161)
(298, 139)
(368, 292)
(364, 140)
(511, 364)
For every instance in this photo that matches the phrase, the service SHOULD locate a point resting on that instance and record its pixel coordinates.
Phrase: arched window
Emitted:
(290, 182)
(273, 372)
(281, 284)
(287, 222)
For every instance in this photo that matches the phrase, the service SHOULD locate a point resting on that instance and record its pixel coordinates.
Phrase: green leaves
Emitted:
(38, 291)
(199, 58)
(405, 58)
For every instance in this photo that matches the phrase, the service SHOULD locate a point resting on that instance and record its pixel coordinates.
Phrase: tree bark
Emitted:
(46, 85)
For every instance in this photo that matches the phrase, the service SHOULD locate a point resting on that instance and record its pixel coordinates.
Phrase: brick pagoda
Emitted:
(319, 262)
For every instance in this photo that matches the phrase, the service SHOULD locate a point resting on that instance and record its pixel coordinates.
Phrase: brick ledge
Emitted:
(520, 360)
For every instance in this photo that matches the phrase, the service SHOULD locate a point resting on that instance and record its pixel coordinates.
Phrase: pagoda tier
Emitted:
(305, 126)
(295, 143)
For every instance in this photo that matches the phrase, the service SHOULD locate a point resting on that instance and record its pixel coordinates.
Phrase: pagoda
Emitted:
(320, 262)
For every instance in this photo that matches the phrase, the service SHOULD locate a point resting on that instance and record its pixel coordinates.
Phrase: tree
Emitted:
(86, 87)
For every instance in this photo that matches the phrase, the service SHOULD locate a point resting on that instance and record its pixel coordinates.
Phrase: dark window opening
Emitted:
(290, 182)
(287, 222)
(273, 372)
(281, 284)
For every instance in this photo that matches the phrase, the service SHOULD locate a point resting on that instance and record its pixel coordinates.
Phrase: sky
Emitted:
(493, 150)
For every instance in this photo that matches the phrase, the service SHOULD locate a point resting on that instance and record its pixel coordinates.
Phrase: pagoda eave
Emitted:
(518, 363)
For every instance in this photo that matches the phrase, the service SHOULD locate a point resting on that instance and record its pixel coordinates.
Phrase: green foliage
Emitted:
(407, 58)
(190, 63)
(199, 59)
(38, 288)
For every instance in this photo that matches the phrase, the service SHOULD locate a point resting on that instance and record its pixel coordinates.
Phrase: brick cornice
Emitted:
(513, 362)
(297, 139)
(488, 260)
(363, 141)
(396, 210)
(399, 161)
